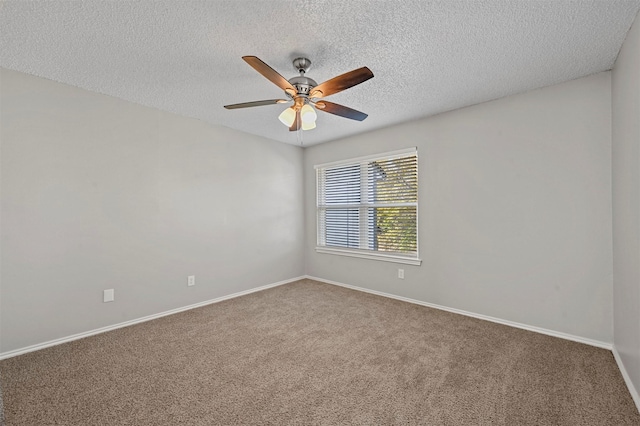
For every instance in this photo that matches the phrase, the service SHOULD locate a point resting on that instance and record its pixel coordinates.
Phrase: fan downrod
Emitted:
(302, 83)
(302, 65)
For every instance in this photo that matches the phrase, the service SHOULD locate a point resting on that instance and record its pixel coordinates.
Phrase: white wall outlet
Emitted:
(401, 274)
(108, 295)
(191, 280)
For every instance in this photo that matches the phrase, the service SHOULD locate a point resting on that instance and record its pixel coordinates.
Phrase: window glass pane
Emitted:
(342, 227)
(342, 185)
(395, 229)
(393, 181)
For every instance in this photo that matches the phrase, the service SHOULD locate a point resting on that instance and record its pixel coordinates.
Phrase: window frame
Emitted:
(409, 259)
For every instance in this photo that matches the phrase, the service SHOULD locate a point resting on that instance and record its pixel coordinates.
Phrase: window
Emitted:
(368, 207)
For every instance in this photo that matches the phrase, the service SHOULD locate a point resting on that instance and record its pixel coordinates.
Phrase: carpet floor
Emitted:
(310, 353)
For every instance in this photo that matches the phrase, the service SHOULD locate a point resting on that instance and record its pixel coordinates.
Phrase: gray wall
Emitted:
(514, 210)
(100, 193)
(626, 203)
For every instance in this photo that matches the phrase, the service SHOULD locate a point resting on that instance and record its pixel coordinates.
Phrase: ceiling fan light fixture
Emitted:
(287, 117)
(308, 114)
(308, 126)
(306, 93)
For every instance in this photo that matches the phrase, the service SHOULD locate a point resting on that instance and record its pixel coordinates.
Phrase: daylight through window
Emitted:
(369, 206)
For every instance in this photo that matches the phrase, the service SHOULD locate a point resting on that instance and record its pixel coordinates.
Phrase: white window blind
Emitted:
(370, 204)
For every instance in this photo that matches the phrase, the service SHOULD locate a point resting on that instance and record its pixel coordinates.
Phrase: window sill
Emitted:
(370, 255)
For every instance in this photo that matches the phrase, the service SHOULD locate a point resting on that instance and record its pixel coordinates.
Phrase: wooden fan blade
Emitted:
(297, 123)
(256, 103)
(341, 82)
(340, 110)
(271, 74)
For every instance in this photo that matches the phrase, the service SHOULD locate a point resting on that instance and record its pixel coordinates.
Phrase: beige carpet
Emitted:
(310, 353)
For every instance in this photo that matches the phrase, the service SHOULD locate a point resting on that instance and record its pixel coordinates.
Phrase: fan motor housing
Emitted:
(303, 84)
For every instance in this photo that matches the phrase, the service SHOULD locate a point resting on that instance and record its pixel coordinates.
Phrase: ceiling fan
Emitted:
(304, 92)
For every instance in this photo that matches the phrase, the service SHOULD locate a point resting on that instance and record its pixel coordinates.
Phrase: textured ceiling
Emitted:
(427, 56)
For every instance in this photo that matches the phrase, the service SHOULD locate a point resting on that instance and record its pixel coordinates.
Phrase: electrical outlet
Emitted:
(401, 274)
(108, 295)
(191, 280)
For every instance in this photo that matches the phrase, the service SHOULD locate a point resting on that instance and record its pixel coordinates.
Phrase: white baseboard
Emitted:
(566, 336)
(54, 342)
(627, 379)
